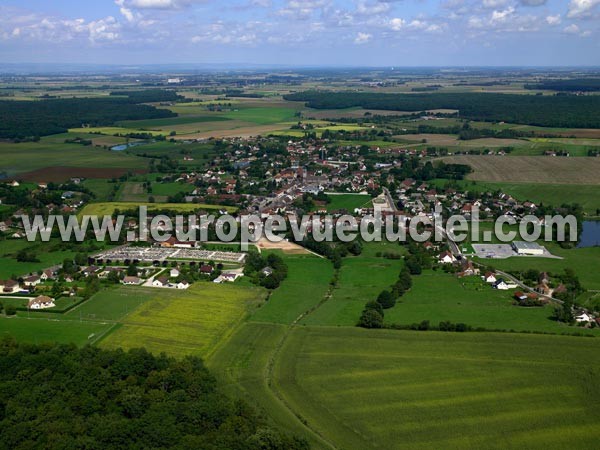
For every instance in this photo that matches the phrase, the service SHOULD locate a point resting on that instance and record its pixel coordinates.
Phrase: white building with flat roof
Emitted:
(528, 248)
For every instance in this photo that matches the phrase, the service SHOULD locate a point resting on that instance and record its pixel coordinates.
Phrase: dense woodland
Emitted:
(32, 119)
(59, 396)
(573, 85)
(546, 111)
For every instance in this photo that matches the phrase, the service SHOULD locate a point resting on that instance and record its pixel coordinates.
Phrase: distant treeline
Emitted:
(546, 111)
(574, 85)
(30, 119)
(149, 95)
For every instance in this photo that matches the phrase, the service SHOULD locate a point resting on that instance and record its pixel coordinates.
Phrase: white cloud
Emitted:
(375, 8)
(475, 22)
(502, 16)
(494, 3)
(553, 20)
(396, 23)
(126, 12)
(582, 8)
(363, 38)
(303, 9)
(572, 29)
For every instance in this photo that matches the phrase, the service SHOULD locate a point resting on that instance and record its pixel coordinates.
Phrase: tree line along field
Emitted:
(360, 279)
(411, 390)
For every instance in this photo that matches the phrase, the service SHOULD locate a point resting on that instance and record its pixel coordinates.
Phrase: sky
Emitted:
(302, 33)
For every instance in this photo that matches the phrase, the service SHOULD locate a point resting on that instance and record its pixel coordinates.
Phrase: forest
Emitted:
(32, 119)
(59, 396)
(559, 111)
(572, 85)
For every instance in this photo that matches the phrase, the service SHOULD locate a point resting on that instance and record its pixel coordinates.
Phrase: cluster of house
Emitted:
(466, 268)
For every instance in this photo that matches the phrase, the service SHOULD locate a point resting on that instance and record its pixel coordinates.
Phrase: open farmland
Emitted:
(437, 297)
(39, 331)
(292, 299)
(31, 156)
(410, 390)
(531, 169)
(184, 322)
(101, 209)
(361, 278)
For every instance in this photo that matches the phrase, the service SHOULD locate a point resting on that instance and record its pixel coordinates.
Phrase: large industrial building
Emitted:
(527, 248)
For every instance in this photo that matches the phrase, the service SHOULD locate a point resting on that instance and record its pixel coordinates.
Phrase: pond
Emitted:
(122, 147)
(590, 234)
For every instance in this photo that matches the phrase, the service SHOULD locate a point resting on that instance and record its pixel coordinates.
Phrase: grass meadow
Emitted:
(101, 209)
(349, 202)
(185, 322)
(28, 156)
(45, 330)
(410, 390)
(9, 266)
(305, 286)
(437, 296)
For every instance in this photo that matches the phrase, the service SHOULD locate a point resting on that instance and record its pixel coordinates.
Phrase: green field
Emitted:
(410, 390)
(349, 202)
(10, 267)
(28, 156)
(110, 304)
(437, 297)
(262, 115)
(101, 188)
(166, 189)
(244, 364)
(166, 124)
(101, 209)
(40, 330)
(185, 322)
(305, 286)
(361, 279)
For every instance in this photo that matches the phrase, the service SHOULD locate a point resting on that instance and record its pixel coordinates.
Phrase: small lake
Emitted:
(590, 235)
(122, 147)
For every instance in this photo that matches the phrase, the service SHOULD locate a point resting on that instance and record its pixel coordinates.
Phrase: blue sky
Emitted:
(310, 32)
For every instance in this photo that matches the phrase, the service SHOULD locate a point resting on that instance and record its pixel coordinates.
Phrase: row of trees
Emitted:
(373, 314)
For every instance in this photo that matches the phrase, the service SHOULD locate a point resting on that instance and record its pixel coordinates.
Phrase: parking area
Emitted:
(496, 251)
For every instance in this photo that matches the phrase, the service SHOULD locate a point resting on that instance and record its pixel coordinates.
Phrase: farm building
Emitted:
(527, 248)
